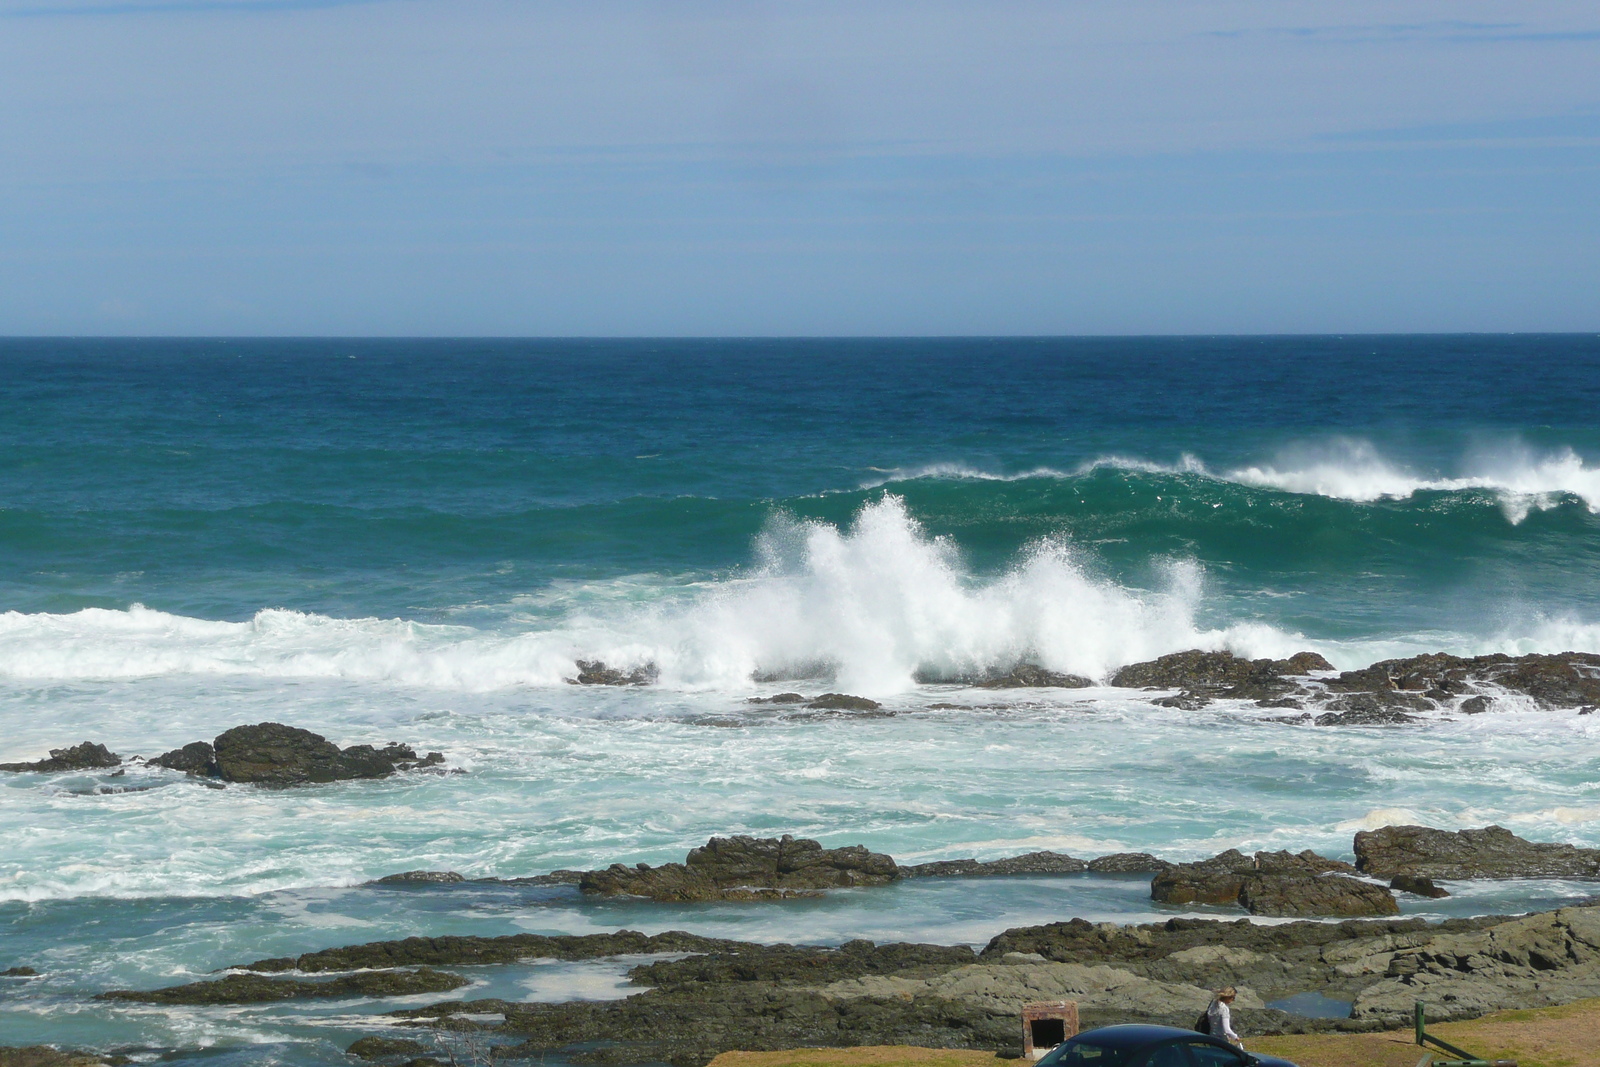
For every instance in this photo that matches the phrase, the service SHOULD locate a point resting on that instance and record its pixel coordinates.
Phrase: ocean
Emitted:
(416, 541)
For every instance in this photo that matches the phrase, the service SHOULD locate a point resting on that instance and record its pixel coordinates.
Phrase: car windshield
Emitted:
(1085, 1054)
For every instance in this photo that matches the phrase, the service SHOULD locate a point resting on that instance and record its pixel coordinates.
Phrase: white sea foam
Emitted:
(874, 603)
(870, 606)
(1347, 469)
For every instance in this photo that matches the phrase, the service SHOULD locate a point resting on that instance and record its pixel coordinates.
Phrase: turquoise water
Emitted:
(416, 540)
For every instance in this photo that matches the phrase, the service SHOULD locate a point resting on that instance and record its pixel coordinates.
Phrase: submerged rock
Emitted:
(595, 672)
(273, 754)
(86, 756)
(46, 1056)
(377, 1048)
(1417, 885)
(19, 972)
(511, 948)
(255, 989)
(1490, 852)
(747, 868)
(419, 878)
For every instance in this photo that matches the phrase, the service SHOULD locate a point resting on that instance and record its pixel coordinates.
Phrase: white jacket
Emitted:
(1221, 1021)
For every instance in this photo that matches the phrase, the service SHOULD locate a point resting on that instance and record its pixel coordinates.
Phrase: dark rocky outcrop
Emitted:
(255, 989)
(419, 878)
(197, 758)
(273, 754)
(1490, 852)
(595, 672)
(466, 951)
(1031, 863)
(1203, 676)
(747, 868)
(779, 698)
(378, 1048)
(1390, 692)
(1033, 676)
(1277, 884)
(1128, 863)
(801, 963)
(86, 756)
(19, 972)
(843, 702)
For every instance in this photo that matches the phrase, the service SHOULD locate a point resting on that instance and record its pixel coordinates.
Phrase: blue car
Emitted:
(1137, 1045)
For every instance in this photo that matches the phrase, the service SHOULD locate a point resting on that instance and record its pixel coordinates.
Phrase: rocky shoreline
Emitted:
(699, 996)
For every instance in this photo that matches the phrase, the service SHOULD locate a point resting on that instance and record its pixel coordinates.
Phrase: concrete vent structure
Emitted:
(1046, 1024)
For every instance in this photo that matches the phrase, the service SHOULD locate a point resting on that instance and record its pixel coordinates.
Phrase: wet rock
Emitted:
(1369, 709)
(45, 1056)
(1278, 884)
(1565, 680)
(86, 756)
(1031, 863)
(276, 755)
(467, 951)
(197, 758)
(419, 878)
(377, 1048)
(1217, 880)
(843, 702)
(1474, 705)
(747, 868)
(19, 972)
(1221, 674)
(1128, 863)
(1417, 885)
(1185, 701)
(797, 963)
(1306, 895)
(1033, 676)
(595, 672)
(779, 698)
(255, 989)
(1490, 852)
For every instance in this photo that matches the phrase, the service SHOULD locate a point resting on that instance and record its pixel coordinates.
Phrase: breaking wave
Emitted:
(868, 607)
(1353, 470)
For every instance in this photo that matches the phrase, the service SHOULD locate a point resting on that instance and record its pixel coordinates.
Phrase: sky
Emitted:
(741, 167)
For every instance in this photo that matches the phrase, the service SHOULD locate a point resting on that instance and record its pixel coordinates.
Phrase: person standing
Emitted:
(1220, 1017)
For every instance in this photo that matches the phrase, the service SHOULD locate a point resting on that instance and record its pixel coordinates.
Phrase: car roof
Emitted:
(1127, 1035)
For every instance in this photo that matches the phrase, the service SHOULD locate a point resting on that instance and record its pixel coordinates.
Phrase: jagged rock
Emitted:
(779, 698)
(1490, 852)
(197, 758)
(1221, 674)
(1031, 863)
(19, 972)
(1184, 701)
(843, 702)
(87, 756)
(1278, 884)
(469, 951)
(273, 754)
(377, 1048)
(594, 672)
(419, 878)
(254, 989)
(1364, 710)
(1417, 885)
(1033, 676)
(1552, 958)
(1128, 863)
(746, 868)
(1217, 880)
